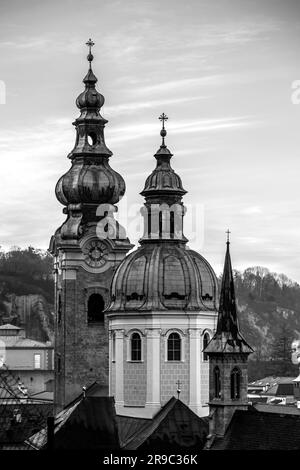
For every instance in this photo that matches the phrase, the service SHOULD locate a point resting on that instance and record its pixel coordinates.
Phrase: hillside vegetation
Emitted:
(268, 305)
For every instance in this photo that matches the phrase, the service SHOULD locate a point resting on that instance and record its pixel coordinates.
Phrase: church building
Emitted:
(135, 323)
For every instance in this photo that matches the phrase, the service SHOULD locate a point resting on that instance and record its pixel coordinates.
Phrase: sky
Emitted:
(223, 71)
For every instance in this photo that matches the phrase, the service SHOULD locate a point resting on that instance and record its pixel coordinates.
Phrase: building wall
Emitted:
(172, 371)
(23, 358)
(132, 383)
(34, 380)
(82, 346)
(135, 375)
(224, 413)
(204, 382)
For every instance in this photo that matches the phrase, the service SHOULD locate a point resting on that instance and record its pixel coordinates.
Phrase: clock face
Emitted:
(95, 253)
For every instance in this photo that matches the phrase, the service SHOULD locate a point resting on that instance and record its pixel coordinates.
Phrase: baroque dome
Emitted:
(163, 177)
(90, 183)
(164, 276)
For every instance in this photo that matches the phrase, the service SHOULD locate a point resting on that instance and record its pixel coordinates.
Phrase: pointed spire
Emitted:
(90, 79)
(163, 117)
(227, 318)
(228, 337)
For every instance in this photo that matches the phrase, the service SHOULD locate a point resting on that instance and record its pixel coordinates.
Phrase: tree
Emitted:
(281, 347)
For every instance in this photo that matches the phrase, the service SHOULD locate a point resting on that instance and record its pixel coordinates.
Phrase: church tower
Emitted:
(228, 356)
(163, 307)
(87, 248)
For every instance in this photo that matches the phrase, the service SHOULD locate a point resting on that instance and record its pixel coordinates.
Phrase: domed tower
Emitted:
(87, 248)
(163, 306)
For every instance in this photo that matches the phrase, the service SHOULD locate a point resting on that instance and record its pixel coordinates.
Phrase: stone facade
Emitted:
(225, 406)
(142, 387)
(174, 371)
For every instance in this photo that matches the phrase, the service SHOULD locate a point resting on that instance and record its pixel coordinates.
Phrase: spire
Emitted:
(163, 191)
(228, 337)
(163, 179)
(227, 318)
(90, 79)
(163, 117)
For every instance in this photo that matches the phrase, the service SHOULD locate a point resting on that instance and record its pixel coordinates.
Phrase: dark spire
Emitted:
(227, 318)
(90, 79)
(228, 337)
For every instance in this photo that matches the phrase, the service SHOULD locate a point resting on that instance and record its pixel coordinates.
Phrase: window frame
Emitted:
(217, 384)
(97, 321)
(174, 350)
(129, 344)
(39, 356)
(135, 336)
(205, 357)
(235, 383)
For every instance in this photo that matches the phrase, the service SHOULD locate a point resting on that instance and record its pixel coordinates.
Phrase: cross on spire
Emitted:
(228, 233)
(163, 117)
(90, 56)
(178, 383)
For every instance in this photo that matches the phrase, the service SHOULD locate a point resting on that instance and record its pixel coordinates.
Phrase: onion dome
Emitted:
(90, 181)
(163, 274)
(163, 179)
(164, 277)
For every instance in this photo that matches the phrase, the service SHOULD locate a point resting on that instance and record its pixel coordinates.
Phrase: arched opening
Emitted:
(174, 347)
(160, 224)
(113, 347)
(96, 306)
(59, 308)
(149, 223)
(172, 225)
(217, 382)
(92, 138)
(206, 340)
(235, 384)
(136, 347)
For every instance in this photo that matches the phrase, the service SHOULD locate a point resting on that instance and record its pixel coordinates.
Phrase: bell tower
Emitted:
(228, 356)
(87, 249)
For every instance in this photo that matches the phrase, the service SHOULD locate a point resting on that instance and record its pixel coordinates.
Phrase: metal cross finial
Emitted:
(90, 56)
(90, 44)
(228, 233)
(178, 383)
(163, 117)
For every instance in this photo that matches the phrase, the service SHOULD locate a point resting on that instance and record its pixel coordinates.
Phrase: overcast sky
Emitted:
(221, 70)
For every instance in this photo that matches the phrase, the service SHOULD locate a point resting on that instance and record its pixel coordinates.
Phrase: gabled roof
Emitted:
(86, 423)
(8, 326)
(281, 389)
(17, 342)
(175, 424)
(255, 430)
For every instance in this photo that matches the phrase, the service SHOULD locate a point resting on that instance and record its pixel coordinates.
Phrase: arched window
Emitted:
(59, 308)
(235, 384)
(174, 347)
(206, 340)
(160, 224)
(136, 347)
(217, 382)
(95, 308)
(113, 347)
(172, 229)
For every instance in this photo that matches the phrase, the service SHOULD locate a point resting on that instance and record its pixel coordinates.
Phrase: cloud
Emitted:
(252, 210)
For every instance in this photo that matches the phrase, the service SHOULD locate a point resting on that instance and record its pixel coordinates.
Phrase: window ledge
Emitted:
(174, 362)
